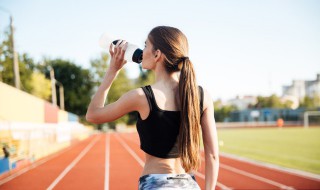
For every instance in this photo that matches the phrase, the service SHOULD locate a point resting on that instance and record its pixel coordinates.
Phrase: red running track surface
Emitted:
(114, 161)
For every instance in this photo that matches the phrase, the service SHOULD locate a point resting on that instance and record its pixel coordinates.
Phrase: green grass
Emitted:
(296, 148)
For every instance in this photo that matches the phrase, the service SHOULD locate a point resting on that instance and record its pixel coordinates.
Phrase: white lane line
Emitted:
(107, 166)
(298, 173)
(36, 164)
(220, 185)
(135, 156)
(73, 163)
(256, 177)
(259, 178)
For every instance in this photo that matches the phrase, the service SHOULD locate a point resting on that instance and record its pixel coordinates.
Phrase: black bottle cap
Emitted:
(137, 56)
(115, 42)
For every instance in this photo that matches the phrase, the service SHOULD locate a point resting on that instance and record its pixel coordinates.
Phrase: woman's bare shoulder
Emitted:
(207, 98)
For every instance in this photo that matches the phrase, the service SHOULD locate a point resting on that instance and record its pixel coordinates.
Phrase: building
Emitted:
(301, 88)
(242, 102)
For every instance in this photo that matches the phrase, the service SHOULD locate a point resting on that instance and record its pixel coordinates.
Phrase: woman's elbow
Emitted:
(94, 121)
(91, 118)
(212, 157)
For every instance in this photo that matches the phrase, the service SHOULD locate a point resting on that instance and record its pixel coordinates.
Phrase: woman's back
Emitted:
(158, 127)
(165, 99)
(155, 165)
(159, 130)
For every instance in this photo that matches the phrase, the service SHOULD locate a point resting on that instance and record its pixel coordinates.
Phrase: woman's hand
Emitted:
(117, 55)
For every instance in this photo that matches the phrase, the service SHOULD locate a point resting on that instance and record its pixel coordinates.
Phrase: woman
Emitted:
(172, 112)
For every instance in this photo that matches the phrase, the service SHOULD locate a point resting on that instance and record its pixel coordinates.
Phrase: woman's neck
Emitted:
(165, 78)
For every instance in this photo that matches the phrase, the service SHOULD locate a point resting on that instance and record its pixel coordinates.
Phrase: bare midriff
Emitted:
(155, 165)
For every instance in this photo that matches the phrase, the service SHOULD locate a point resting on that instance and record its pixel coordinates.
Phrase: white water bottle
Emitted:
(133, 53)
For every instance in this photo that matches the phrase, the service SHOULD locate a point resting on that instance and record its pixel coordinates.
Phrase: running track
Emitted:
(114, 161)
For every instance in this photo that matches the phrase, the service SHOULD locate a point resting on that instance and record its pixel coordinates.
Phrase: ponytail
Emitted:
(189, 133)
(174, 44)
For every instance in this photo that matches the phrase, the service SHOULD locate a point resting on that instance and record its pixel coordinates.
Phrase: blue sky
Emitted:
(237, 47)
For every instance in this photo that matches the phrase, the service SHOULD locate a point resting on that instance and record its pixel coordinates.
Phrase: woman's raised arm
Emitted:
(99, 113)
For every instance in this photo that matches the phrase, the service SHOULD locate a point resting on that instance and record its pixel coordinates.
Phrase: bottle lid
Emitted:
(137, 56)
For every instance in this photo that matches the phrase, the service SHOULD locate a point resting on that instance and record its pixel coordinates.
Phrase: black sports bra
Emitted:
(159, 131)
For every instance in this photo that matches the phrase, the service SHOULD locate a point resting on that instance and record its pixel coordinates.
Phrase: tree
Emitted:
(26, 64)
(120, 85)
(221, 112)
(99, 67)
(287, 104)
(6, 57)
(26, 68)
(310, 102)
(77, 83)
(41, 87)
(272, 101)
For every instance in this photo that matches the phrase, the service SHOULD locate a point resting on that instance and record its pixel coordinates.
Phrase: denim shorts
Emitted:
(168, 181)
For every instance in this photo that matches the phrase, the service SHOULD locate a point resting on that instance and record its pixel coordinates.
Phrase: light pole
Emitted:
(53, 87)
(1, 69)
(15, 55)
(61, 93)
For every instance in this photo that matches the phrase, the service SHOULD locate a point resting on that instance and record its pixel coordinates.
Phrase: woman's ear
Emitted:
(157, 55)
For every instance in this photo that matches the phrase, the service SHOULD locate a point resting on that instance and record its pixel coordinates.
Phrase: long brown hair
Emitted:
(174, 45)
